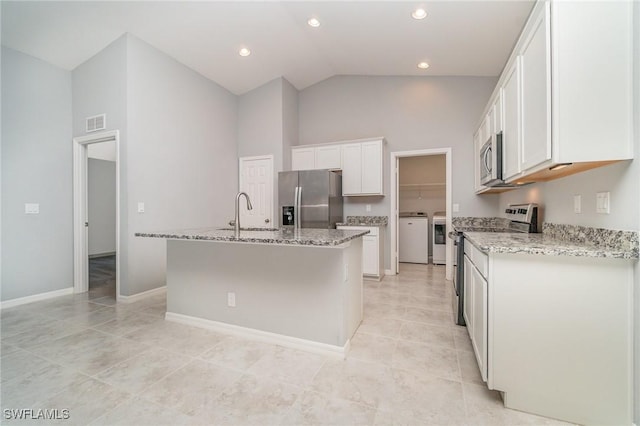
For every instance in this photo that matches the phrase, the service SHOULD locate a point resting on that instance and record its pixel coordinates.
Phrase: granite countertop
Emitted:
(301, 237)
(365, 221)
(560, 240)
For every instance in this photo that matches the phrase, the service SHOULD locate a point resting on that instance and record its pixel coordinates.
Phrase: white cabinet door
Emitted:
(479, 332)
(352, 169)
(370, 255)
(372, 167)
(329, 157)
(496, 114)
(477, 144)
(511, 124)
(536, 93)
(303, 159)
(467, 311)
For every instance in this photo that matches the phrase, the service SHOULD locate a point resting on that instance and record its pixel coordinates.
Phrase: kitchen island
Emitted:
(298, 288)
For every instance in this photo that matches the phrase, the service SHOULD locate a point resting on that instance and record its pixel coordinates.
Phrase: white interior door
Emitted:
(256, 179)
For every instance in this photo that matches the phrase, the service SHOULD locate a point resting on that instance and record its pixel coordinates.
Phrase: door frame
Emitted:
(241, 161)
(395, 202)
(80, 208)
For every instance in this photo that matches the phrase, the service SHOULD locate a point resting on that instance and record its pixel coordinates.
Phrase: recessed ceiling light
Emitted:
(313, 22)
(419, 14)
(244, 52)
(423, 65)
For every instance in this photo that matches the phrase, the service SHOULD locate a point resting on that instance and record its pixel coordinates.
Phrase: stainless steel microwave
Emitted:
(491, 161)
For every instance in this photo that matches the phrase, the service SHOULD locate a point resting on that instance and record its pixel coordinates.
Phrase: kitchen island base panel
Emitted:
(310, 293)
(560, 336)
(262, 336)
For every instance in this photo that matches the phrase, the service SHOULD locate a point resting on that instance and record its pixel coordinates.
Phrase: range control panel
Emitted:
(524, 213)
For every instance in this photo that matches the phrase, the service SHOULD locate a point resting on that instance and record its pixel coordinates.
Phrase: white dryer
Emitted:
(413, 241)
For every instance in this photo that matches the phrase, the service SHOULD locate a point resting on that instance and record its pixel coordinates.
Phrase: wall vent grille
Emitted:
(97, 122)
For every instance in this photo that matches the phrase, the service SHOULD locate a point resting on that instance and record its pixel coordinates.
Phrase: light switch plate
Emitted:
(32, 208)
(602, 202)
(368, 207)
(140, 207)
(577, 203)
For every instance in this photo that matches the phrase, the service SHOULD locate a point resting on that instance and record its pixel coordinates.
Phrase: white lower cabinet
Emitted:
(372, 250)
(475, 304)
(554, 334)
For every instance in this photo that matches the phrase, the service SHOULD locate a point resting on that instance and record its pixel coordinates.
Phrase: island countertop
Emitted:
(284, 236)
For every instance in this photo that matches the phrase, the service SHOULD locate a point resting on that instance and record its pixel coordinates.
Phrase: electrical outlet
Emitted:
(602, 202)
(140, 207)
(231, 299)
(368, 207)
(456, 207)
(32, 208)
(577, 204)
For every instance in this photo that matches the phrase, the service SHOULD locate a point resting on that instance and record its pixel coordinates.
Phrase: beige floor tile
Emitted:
(43, 333)
(140, 412)
(105, 300)
(39, 384)
(20, 363)
(383, 310)
(357, 381)
(429, 334)
(85, 402)
(158, 310)
(469, 367)
(14, 322)
(316, 409)
(417, 399)
(237, 353)
(77, 309)
(370, 347)
(461, 337)
(6, 349)
(127, 322)
(177, 338)
(427, 316)
(381, 326)
(426, 359)
(143, 370)
(74, 343)
(252, 400)
(288, 365)
(94, 317)
(193, 388)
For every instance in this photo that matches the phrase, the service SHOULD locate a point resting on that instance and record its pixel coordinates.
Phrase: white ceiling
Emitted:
(458, 38)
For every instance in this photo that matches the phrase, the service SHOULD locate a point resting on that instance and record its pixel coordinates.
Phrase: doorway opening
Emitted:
(96, 218)
(421, 191)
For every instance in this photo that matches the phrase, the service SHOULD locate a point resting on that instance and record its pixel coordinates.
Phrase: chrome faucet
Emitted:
(236, 225)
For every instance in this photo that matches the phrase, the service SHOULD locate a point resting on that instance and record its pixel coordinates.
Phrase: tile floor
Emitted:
(110, 363)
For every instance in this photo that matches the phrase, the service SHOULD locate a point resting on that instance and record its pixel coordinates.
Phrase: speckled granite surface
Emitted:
(302, 237)
(480, 224)
(366, 221)
(561, 240)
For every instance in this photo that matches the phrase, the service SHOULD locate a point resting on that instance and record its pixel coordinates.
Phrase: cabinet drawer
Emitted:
(478, 258)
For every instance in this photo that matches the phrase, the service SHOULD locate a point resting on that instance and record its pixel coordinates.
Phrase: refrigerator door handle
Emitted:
(295, 207)
(298, 201)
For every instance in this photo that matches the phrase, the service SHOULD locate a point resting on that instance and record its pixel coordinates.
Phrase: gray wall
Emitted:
(411, 113)
(101, 206)
(289, 122)
(37, 250)
(181, 156)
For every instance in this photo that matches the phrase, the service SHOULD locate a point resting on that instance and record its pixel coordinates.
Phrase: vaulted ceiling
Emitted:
(457, 38)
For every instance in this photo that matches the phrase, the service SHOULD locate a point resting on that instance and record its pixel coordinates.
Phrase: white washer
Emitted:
(414, 239)
(439, 238)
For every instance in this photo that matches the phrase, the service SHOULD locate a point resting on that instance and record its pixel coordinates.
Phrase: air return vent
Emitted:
(97, 122)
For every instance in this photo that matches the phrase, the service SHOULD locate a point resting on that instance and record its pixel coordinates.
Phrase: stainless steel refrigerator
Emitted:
(310, 199)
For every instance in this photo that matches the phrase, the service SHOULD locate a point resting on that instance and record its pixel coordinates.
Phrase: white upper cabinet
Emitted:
(371, 168)
(567, 91)
(316, 157)
(303, 158)
(352, 173)
(511, 124)
(536, 91)
(329, 157)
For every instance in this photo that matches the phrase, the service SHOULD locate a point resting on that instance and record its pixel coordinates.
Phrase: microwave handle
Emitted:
(485, 156)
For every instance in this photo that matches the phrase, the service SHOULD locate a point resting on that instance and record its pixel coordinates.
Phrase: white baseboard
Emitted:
(262, 336)
(36, 298)
(388, 272)
(139, 296)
